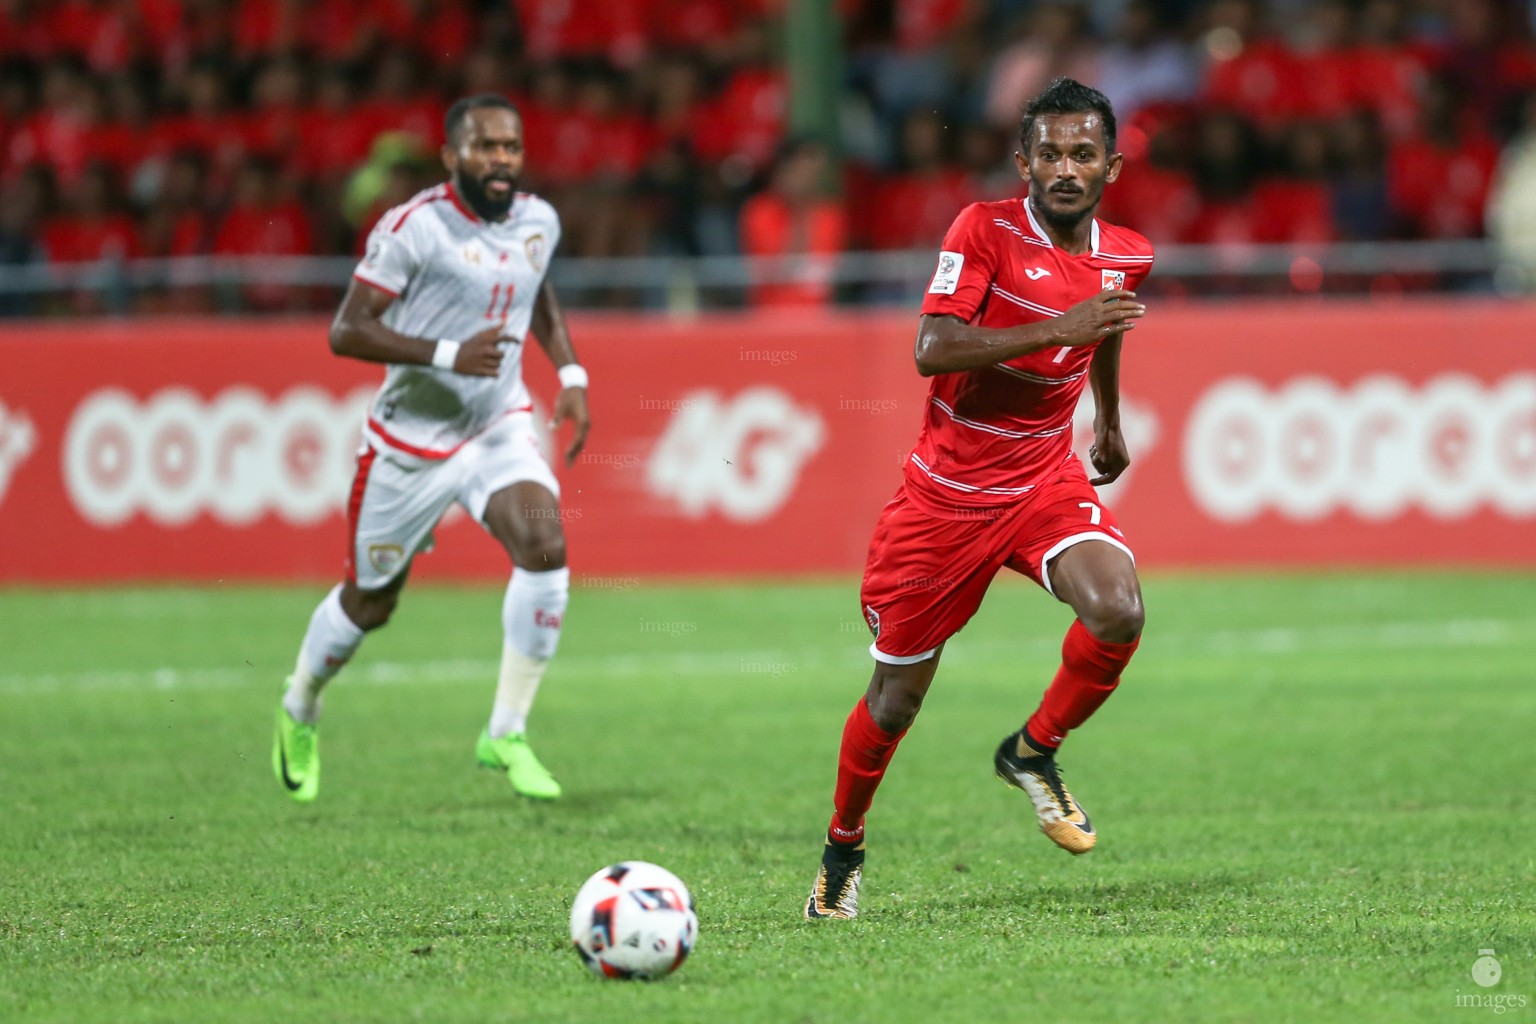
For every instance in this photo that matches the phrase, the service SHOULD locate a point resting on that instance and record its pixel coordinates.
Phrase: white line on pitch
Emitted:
(1276, 640)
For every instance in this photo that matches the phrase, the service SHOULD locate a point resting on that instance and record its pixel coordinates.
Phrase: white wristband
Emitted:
(445, 354)
(573, 375)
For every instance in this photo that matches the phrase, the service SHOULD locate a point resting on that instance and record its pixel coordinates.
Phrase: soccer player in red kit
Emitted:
(1029, 304)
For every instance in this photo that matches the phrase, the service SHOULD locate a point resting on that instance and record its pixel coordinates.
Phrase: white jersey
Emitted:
(453, 275)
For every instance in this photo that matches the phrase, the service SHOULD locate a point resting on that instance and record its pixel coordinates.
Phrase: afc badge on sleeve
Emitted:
(947, 278)
(1111, 280)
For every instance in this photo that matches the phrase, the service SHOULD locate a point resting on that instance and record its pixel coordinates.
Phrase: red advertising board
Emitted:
(1262, 434)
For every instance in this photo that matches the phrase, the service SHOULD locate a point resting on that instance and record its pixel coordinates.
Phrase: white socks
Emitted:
(531, 616)
(330, 640)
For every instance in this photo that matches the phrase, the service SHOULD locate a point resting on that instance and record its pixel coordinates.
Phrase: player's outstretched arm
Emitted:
(571, 403)
(1108, 453)
(947, 344)
(357, 332)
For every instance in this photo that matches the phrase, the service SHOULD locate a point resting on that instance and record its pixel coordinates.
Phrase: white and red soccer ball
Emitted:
(634, 920)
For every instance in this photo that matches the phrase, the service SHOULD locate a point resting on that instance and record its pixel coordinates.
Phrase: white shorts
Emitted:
(397, 499)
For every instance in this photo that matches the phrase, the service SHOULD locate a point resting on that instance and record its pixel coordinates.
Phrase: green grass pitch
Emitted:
(1314, 795)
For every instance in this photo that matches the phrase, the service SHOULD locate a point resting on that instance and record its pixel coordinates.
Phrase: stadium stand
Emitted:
(151, 128)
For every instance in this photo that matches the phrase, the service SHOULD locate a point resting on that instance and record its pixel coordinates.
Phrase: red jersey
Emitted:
(991, 435)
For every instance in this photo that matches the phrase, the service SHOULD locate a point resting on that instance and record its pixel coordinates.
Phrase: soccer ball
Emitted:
(633, 920)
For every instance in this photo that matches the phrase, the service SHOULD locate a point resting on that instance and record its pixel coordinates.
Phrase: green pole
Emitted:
(813, 58)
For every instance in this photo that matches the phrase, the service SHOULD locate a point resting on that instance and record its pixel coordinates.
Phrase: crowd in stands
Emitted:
(145, 128)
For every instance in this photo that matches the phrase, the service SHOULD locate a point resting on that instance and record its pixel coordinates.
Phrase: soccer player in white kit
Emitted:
(446, 295)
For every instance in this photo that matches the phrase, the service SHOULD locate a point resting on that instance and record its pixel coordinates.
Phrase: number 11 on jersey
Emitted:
(496, 296)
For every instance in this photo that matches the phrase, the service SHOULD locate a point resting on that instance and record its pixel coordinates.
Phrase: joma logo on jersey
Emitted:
(1111, 280)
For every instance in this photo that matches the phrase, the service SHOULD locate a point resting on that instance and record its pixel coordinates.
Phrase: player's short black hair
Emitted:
(458, 114)
(1068, 96)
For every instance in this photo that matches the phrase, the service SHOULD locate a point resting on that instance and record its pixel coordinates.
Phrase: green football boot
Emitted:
(296, 756)
(513, 755)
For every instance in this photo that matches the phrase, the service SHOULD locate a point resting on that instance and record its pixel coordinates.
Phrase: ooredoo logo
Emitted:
(17, 439)
(175, 456)
(1311, 448)
(741, 455)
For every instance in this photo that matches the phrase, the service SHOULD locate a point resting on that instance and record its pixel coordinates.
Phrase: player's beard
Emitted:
(487, 206)
(1065, 221)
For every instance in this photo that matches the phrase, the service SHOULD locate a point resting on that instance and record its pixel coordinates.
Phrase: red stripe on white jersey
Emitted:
(459, 204)
(374, 284)
(355, 507)
(433, 196)
(437, 454)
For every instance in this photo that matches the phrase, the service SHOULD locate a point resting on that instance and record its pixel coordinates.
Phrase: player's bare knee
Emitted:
(893, 702)
(542, 552)
(1115, 618)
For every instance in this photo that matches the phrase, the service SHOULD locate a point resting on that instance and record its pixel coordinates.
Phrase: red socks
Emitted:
(861, 762)
(1090, 671)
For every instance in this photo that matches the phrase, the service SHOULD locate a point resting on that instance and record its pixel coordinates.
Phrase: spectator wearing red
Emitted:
(1326, 61)
(24, 32)
(794, 222)
(106, 34)
(336, 135)
(1297, 205)
(1251, 72)
(207, 123)
(913, 208)
(94, 228)
(125, 138)
(700, 26)
(566, 29)
(441, 29)
(340, 30)
(744, 124)
(263, 221)
(1490, 61)
(1156, 195)
(276, 125)
(1225, 166)
(1439, 177)
(601, 146)
(1389, 67)
(400, 100)
(58, 133)
(176, 222)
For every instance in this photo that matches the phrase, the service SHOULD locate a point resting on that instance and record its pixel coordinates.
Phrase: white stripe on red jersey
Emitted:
(989, 437)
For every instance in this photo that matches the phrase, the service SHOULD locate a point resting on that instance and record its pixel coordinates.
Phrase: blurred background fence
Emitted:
(679, 284)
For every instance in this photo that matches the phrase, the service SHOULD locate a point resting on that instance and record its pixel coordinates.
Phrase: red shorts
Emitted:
(926, 575)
